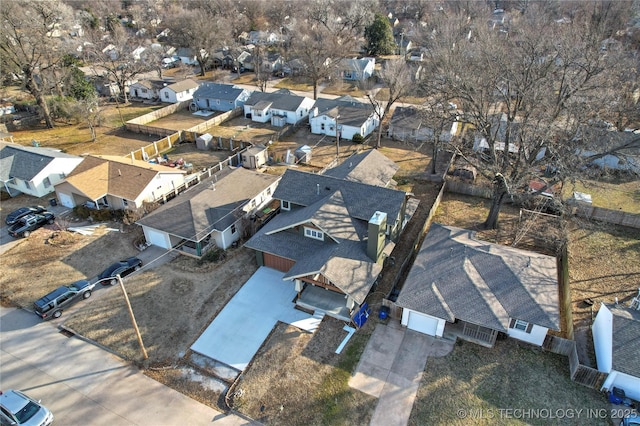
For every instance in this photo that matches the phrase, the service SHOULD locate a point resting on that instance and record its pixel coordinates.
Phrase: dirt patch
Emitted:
(180, 120)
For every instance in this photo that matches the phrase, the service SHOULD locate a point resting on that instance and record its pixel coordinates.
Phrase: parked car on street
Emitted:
(51, 305)
(122, 268)
(18, 409)
(15, 215)
(29, 223)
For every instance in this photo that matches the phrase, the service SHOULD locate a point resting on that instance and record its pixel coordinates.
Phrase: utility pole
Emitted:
(133, 318)
(337, 138)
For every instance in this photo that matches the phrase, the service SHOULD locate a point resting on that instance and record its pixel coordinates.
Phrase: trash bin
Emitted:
(53, 202)
(384, 312)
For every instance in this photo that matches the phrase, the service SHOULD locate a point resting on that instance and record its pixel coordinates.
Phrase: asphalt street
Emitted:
(83, 384)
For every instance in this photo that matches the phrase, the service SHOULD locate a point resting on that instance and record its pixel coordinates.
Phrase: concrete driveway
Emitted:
(391, 367)
(238, 331)
(83, 384)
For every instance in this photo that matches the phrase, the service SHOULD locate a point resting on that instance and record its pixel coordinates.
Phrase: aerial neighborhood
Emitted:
(367, 212)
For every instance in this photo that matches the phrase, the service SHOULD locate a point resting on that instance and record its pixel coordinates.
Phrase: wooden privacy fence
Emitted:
(579, 373)
(617, 217)
(156, 148)
(215, 121)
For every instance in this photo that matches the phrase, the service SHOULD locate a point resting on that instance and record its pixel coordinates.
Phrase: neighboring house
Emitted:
(501, 131)
(330, 238)
(473, 289)
(146, 89)
(355, 69)
(178, 92)
(245, 60)
(109, 182)
(407, 124)
(624, 148)
(33, 171)
(218, 97)
(213, 213)
(346, 114)
(187, 56)
(280, 108)
(616, 339)
(262, 37)
(370, 167)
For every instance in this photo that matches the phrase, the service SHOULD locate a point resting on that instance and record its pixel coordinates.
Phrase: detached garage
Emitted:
(157, 238)
(423, 323)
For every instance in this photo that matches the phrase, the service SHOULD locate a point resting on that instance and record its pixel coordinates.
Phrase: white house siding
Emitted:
(159, 186)
(423, 323)
(168, 95)
(536, 336)
(602, 330)
(630, 384)
(185, 96)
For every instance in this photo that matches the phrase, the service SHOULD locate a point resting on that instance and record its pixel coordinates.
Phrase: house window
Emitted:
(27, 184)
(313, 233)
(253, 204)
(125, 203)
(166, 95)
(285, 205)
(269, 191)
(322, 127)
(521, 325)
(233, 228)
(46, 182)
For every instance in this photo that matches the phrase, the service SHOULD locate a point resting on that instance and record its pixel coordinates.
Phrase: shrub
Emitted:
(358, 138)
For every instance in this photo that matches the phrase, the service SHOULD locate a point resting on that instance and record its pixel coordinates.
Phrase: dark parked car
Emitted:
(122, 268)
(14, 216)
(29, 223)
(51, 305)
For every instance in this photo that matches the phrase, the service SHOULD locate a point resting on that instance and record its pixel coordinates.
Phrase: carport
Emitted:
(239, 330)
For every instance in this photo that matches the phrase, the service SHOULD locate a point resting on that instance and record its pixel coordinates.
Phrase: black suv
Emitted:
(122, 268)
(29, 223)
(51, 305)
(15, 215)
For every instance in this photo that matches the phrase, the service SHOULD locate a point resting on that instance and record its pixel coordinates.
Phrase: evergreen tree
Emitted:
(379, 37)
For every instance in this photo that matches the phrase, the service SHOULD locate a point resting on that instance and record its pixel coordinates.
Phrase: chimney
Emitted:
(376, 236)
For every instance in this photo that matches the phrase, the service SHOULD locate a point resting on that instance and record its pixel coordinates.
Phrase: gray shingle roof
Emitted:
(482, 283)
(210, 205)
(370, 167)
(352, 111)
(226, 92)
(281, 99)
(626, 340)
(24, 162)
(183, 85)
(342, 210)
(362, 200)
(407, 118)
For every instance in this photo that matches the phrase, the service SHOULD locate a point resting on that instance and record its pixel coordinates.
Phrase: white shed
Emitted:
(204, 141)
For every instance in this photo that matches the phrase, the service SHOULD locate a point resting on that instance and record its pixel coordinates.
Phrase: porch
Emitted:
(474, 333)
(318, 299)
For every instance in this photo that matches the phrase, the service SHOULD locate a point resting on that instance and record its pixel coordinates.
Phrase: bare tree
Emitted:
(525, 95)
(29, 48)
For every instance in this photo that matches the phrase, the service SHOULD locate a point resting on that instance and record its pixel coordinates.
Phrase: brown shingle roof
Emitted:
(97, 176)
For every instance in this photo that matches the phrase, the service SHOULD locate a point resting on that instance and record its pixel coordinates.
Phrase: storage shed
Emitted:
(303, 154)
(254, 157)
(204, 141)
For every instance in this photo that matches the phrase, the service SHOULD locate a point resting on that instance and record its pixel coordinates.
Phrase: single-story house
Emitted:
(212, 213)
(616, 340)
(623, 148)
(178, 92)
(110, 182)
(280, 107)
(473, 289)
(146, 89)
(32, 170)
(369, 167)
(355, 69)
(330, 238)
(344, 116)
(187, 55)
(407, 124)
(218, 97)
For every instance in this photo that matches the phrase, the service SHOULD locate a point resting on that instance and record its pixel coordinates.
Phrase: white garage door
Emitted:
(422, 323)
(157, 238)
(66, 200)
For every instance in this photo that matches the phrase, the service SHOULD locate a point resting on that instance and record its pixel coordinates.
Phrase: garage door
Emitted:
(66, 200)
(277, 263)
(157, 238)
(422, 323)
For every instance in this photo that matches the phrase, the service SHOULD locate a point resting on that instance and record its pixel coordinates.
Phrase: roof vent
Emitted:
(119, 172)
(317, 188)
